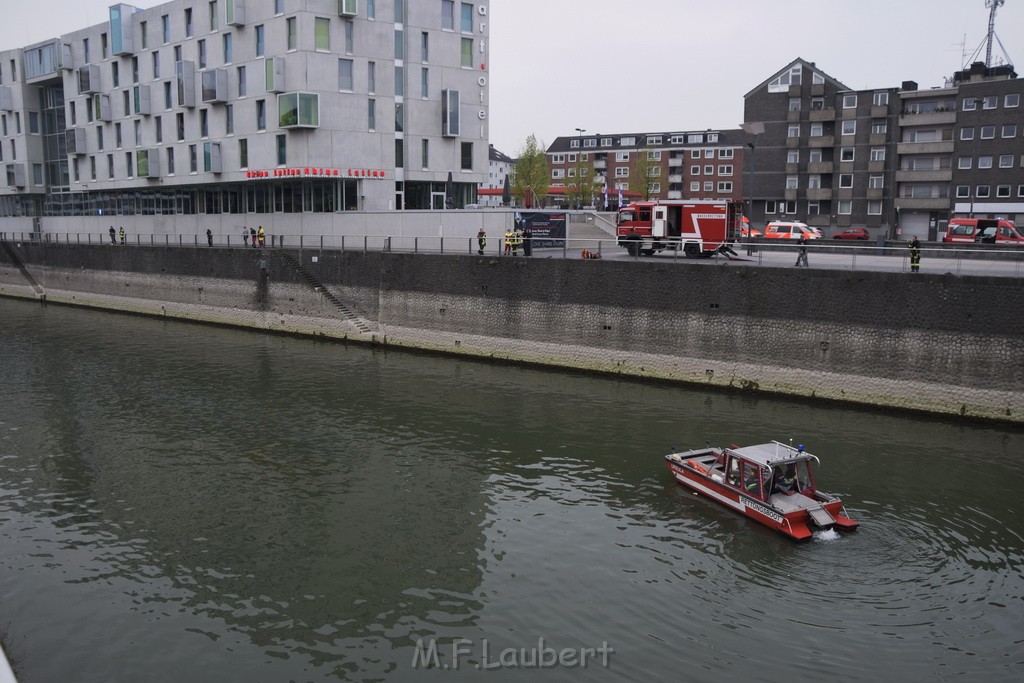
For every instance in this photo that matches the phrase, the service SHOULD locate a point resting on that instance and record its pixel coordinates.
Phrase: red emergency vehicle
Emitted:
(697, 228)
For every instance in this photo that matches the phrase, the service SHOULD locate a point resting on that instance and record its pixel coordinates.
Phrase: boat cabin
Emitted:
(765, 469)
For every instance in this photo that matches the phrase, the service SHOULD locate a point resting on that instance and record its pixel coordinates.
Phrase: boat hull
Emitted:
(796, 524)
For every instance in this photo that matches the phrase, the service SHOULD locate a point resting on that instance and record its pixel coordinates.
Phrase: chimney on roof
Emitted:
(909, 85)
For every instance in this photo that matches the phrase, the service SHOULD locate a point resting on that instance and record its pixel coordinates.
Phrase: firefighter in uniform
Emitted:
(915, 255)
(481, 241)
(517, 239)
(509, 236)
(121, 233)
(261, 236)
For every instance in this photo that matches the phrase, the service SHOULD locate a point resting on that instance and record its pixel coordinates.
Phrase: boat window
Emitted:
(803, 477)
(734, 472)
(751, 482)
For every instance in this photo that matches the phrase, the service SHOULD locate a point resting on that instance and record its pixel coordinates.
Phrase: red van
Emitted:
(990, 230)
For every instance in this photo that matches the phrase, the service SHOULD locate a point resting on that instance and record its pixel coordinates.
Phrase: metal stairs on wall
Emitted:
(17, 260)
(317, 286)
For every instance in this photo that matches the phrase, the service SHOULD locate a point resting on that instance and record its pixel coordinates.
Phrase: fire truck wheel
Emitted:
(691, 250)
(633, 245)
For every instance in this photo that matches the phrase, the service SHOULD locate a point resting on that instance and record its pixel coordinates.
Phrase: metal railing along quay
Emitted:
(956, 259)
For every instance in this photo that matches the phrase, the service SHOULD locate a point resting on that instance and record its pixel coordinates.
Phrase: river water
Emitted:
(181, 502)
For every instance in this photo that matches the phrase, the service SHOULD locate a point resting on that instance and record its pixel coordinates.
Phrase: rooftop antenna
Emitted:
(962, 47)
(992, 5)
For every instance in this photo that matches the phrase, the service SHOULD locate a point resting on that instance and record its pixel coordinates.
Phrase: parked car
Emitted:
(969, 229)
(751, 232)
(852, 234)
(790, 231)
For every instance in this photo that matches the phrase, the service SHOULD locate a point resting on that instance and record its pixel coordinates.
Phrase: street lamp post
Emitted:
(754, 128)
(579, 181)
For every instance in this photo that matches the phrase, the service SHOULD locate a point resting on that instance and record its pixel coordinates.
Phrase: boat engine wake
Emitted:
(826, 535)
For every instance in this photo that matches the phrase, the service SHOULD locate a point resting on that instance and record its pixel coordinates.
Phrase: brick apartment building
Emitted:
(685, 164)
(898, 161)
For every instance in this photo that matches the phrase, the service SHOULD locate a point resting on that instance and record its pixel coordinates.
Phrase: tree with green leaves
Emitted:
(580, 188)
(645, 174)
(531, 171)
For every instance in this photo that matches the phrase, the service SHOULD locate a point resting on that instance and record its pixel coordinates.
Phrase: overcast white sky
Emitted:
(616, 66)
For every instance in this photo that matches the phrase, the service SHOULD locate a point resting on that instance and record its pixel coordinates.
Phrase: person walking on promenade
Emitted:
(481, 241)
(112, 233)
(122, 234)
(262, 237)
(245, 236)
(252, 236)
(915, 255)
(209, 237)
(508, 241)
(801, 257)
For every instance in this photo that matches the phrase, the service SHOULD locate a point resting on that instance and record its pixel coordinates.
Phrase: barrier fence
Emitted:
(979, 259)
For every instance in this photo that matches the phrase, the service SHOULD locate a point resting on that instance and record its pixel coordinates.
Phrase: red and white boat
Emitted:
(772, 483)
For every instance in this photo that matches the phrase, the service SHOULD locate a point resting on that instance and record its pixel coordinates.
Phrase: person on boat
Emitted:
(784, 481)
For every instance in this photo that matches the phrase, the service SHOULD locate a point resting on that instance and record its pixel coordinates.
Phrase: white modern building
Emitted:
(249, 106)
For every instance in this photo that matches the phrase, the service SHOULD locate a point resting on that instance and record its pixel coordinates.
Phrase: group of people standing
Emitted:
(514, 240)
(255, 236)
(121, 233)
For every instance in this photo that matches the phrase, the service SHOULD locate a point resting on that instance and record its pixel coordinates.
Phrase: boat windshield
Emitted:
(791, 477)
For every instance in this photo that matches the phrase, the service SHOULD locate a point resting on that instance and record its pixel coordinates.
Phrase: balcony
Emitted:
(185, 76)
(89, 79)
(16, 175)
(819, 167)
(879, 111)
(676, 178)
(147, 163)
(819, 194)
(932, 203)
(674, 194)
(75, 138)
(822, 141)
(215, 86)
(876, 193)
(790, 194)
(675, 163)
(298, 110)
(274, 68)
(876, 166)
(234, 12)
(939, 176)
(823, 114)
(941, 147)
(792, 169)
(140, 100)
(793, 116)
(877, 139)
(928, 119)
(817, 89)
(601, 164)
(792, 143)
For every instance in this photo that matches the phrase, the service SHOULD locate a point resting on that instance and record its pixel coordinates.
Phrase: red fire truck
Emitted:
(697, 228)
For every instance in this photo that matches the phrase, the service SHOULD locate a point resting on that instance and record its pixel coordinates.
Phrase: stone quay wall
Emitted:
(933, 343)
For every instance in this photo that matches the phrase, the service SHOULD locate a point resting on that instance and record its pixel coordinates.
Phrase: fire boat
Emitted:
(772, 483)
